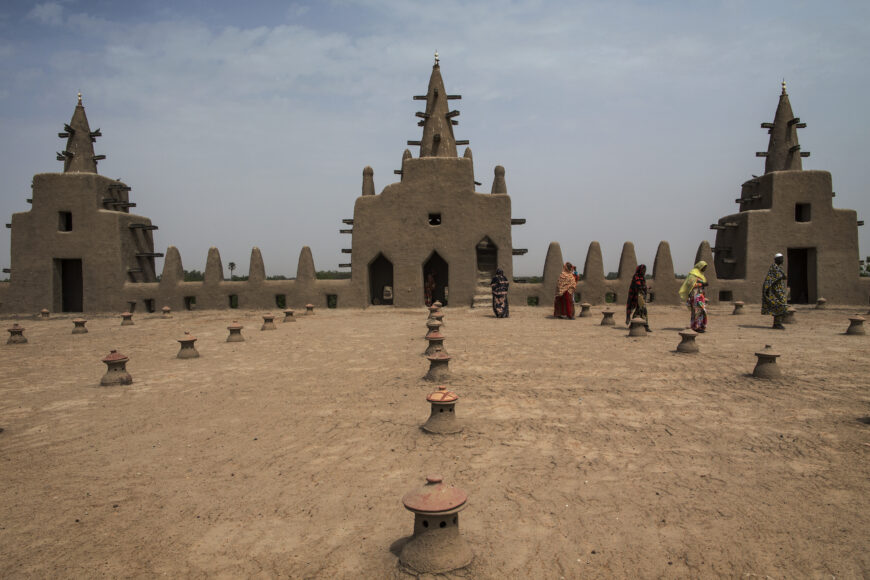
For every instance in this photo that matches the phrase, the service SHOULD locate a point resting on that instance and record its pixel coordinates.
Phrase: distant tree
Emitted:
(278, 277)
(193, 276)
(612, 276)
(331, 275)
(231, 266)
(528, 279)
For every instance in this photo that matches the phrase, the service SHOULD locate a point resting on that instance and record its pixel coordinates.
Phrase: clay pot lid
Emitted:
(437, 303)
(114, 356)
(433, 323)
(768, 352)
(439, 356)
(688, 332)
(607, 311)
(80, 320)
(44, 311)
(442, 395)
(289, 311)
(126, 314)
(166, 309)
(586, 305)
(235, 325)
(640, 321)
(433, 308)
(15, 326)
(434, 334)
(739, 303)
(822, 300)
(268, 317)
(791, 309)
(857, 318)
(309, 306)
(434, 497)
(187, 337)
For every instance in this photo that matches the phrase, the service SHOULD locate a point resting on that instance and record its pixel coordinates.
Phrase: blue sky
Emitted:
(249, 124)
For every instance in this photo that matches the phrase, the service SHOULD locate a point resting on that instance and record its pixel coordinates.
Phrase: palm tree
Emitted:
(231, 266)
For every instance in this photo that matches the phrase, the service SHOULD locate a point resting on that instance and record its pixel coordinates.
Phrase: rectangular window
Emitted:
(64, 221)
(532, 300)
(802, 212)
(190, 302)
(725, 296)
(149, 304)
(281, 301)
(434, 219)
(332, 300)
(234, 300)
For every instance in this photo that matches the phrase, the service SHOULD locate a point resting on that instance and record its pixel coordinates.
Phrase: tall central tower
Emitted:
(430, 236)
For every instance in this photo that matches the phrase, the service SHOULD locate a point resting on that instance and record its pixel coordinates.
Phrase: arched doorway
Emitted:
(435, 280)
(381, 281)
(487, 257)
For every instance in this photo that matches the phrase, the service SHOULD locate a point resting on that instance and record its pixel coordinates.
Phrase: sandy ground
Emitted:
(585, 454)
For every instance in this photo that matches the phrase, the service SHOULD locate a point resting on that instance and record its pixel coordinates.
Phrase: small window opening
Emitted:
(725, 296)
(234, 300)
(149, 304)
(651, 297)
(802, 212)
(434, 219)
(131, 306)
(64, 221)
(610, 297)
(190, 302)
(532, 300)
(281, 301)
(332, 300)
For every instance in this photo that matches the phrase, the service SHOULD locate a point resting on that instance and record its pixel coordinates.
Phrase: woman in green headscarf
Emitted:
(692, 293)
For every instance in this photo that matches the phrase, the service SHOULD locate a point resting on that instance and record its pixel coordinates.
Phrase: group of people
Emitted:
(692, 293)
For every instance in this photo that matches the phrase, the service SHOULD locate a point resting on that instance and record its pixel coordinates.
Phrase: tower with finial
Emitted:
(79, 244)
(788, 209)
(431, 236)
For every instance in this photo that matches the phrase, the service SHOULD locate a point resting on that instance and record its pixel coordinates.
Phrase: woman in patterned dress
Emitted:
(499, 286)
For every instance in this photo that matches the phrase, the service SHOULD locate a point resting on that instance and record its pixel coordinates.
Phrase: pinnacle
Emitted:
(78, 156)
(438, 139)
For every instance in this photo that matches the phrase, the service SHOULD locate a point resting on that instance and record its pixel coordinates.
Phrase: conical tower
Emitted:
(437, 120)
(78, 157)
(783, 151)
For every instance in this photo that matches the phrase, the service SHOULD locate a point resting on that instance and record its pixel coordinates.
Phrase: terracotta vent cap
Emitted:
(434, 497)
(114, 356)
(442, 395)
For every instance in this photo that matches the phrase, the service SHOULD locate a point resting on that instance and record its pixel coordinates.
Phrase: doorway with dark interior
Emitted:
(487, 258)
(435, 280)
(802, 275)
(69, 290)
(381, 281)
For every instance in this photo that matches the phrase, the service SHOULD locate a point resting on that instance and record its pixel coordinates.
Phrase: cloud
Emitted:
(50, 13)
(608, 105)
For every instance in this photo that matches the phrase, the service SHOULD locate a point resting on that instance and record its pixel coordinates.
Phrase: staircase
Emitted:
(483, 294)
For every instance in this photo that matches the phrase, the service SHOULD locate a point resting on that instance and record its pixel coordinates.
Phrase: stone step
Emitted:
(482, 300)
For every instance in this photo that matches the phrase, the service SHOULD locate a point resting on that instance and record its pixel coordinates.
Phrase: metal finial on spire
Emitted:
(80, 98)
(783, 86)
(436, 56)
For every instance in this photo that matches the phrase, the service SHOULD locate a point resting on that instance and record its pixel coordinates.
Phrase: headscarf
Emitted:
(637, 288)
(695, 276)
(567, 282)
(499, 283)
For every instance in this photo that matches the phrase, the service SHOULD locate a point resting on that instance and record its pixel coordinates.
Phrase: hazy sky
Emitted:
(241, 124)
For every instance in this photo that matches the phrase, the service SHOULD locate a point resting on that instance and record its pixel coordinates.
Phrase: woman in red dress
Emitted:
(564, 304)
